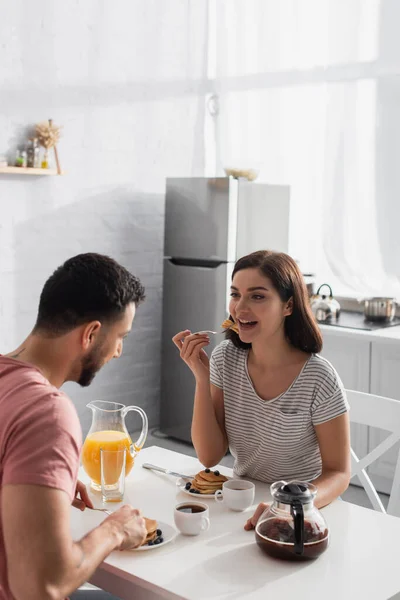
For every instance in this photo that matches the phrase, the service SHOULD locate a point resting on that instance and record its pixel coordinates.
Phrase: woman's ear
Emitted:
(288, 308)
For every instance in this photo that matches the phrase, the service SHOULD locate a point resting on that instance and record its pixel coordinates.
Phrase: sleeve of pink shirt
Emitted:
(43, 446)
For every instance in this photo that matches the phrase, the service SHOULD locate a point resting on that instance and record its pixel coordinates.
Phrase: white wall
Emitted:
(125, 79)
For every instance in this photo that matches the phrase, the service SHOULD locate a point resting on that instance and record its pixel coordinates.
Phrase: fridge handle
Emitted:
(196, 262)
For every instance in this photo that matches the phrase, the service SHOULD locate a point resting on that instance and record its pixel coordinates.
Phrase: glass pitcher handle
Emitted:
(138, 445)
(296, 509)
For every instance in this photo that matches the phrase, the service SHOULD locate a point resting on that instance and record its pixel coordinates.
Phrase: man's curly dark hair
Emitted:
(87, 287)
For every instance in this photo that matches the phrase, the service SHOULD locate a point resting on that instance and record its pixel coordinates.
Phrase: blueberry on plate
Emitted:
(159, 532)
(197, 491)
(192, 491)
(150, 542)
(188, 485)
(157, 541)
(207, 471)
(161, 539)
(216, 473)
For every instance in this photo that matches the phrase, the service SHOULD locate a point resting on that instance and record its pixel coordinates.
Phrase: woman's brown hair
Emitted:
(301, 329)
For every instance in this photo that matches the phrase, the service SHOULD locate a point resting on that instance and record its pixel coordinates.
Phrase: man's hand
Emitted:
(43, 561)
(84, 500)
(132, 525)
(252, 522)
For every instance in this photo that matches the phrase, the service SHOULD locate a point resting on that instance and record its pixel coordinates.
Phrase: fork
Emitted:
(104, 510)
(215, 332)
(212, 332)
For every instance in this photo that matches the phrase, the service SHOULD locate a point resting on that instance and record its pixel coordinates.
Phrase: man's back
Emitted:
(86, 309)
(40, 437)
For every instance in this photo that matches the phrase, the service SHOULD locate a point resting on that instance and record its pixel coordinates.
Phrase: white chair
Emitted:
(384, 413)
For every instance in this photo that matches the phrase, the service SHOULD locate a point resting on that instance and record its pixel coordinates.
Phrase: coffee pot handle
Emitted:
(296, 510)
(138, 445)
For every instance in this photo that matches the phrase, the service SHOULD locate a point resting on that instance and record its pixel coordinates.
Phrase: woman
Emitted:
(266, 393)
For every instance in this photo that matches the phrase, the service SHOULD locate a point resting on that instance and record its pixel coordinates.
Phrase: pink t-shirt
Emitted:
(40, 437)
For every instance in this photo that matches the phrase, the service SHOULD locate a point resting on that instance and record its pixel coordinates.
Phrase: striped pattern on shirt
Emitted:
(275, 439)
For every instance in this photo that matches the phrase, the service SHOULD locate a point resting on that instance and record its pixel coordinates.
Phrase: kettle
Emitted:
(292, 528)
(325, 307)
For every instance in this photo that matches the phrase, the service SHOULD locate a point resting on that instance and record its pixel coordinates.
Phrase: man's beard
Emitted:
(91, 364)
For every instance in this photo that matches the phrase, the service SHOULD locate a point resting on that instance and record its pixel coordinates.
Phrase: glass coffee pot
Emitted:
(109, 432)
(292, 528)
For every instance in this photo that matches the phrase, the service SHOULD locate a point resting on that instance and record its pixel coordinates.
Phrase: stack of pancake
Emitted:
(207, 482)
(153, 533)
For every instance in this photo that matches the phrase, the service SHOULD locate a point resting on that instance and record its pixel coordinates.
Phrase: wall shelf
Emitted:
(28, 171)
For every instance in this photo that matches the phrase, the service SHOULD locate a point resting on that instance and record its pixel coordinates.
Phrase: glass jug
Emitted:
(292, 528)
(108, 431)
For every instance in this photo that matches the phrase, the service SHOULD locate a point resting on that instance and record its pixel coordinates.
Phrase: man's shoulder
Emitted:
(62, 406)
(27, 396)
(55, 409)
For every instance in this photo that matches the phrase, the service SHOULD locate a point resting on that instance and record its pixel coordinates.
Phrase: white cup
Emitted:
(191, 517)
(237, 494)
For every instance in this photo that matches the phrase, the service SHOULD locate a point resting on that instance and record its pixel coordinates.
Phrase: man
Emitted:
(86, 310)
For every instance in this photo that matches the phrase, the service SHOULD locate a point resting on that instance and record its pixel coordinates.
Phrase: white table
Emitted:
(362, 560)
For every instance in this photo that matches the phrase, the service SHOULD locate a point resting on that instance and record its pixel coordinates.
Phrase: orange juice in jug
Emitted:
(108, 440)
(108, 431)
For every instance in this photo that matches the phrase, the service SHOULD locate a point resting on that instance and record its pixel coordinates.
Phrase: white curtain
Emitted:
(309, 92)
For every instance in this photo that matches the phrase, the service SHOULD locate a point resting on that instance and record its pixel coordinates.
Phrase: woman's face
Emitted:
(256, 306)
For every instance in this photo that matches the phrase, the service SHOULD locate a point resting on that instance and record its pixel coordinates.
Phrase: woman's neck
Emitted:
(274, 352)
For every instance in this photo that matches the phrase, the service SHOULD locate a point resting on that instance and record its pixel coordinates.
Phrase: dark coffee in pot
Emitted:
(191, 508)
(275, 537)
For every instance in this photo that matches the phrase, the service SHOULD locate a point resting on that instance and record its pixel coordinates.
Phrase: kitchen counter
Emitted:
(388, 334)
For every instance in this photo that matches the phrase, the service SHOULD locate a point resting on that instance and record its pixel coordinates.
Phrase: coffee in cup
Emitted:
(237, 494)
(191, 517)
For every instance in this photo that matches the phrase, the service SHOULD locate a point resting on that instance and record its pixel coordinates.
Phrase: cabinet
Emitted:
(351, 358)
(385, 381)
(368, 364)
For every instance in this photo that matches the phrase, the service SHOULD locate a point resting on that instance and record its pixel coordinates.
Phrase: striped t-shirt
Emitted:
(275, 439)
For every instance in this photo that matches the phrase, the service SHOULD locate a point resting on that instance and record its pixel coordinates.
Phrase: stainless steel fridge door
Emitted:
(263, 217)
(201, 218)
(195, 298)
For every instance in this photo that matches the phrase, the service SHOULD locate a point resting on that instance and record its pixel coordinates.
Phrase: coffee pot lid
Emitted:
(288, 491)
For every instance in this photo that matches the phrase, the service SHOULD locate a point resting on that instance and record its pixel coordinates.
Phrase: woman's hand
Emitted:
(84, 500)
(191, 347)
(252, 522)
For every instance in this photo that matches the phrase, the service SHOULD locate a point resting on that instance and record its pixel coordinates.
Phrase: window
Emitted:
(309, 92)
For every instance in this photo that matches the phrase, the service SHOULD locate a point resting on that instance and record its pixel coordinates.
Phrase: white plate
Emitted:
(181, 484)
(168, 533)
(194, 496)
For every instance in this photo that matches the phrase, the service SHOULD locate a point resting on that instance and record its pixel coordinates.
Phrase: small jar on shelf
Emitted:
(33, 154)
(21, 158)
(45, 159)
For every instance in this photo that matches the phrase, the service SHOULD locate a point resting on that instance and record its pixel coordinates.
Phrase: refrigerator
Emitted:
(209, 223)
